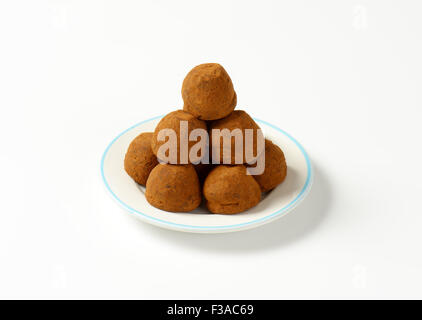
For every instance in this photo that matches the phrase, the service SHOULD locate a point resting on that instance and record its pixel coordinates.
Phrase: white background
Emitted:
(343, 77)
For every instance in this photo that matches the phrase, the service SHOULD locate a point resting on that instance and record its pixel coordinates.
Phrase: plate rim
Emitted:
(209, 229)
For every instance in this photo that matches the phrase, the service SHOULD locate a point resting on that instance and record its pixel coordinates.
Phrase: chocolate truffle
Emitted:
(238, 119)
(275, 168)
(173, 188)
(228, 190)
(208, 92)
(172, 121)
(139, 159)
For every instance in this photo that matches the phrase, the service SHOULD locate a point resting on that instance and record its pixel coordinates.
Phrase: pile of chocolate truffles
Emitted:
(209, 103)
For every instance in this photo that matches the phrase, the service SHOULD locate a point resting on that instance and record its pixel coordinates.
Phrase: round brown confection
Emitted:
(275, 167)
(208, 92)
(228, 190)
(173, 188)
(139, 159)
(172, 121)
(238, 119)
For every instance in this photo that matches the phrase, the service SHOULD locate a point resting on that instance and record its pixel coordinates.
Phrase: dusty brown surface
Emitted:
(139, 159)
(208, 92)
(238, 119)
(275, 167)
(173, 188)
(172, 121)
(228, 190)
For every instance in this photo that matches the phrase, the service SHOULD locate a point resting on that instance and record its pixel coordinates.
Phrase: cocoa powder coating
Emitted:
(208, 93)
(139, 159)
(173, 188)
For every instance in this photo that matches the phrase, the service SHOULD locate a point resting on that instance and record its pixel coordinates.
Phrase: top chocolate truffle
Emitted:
(208, 92)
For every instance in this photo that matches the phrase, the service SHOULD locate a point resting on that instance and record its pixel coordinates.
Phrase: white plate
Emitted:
(274, 204)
